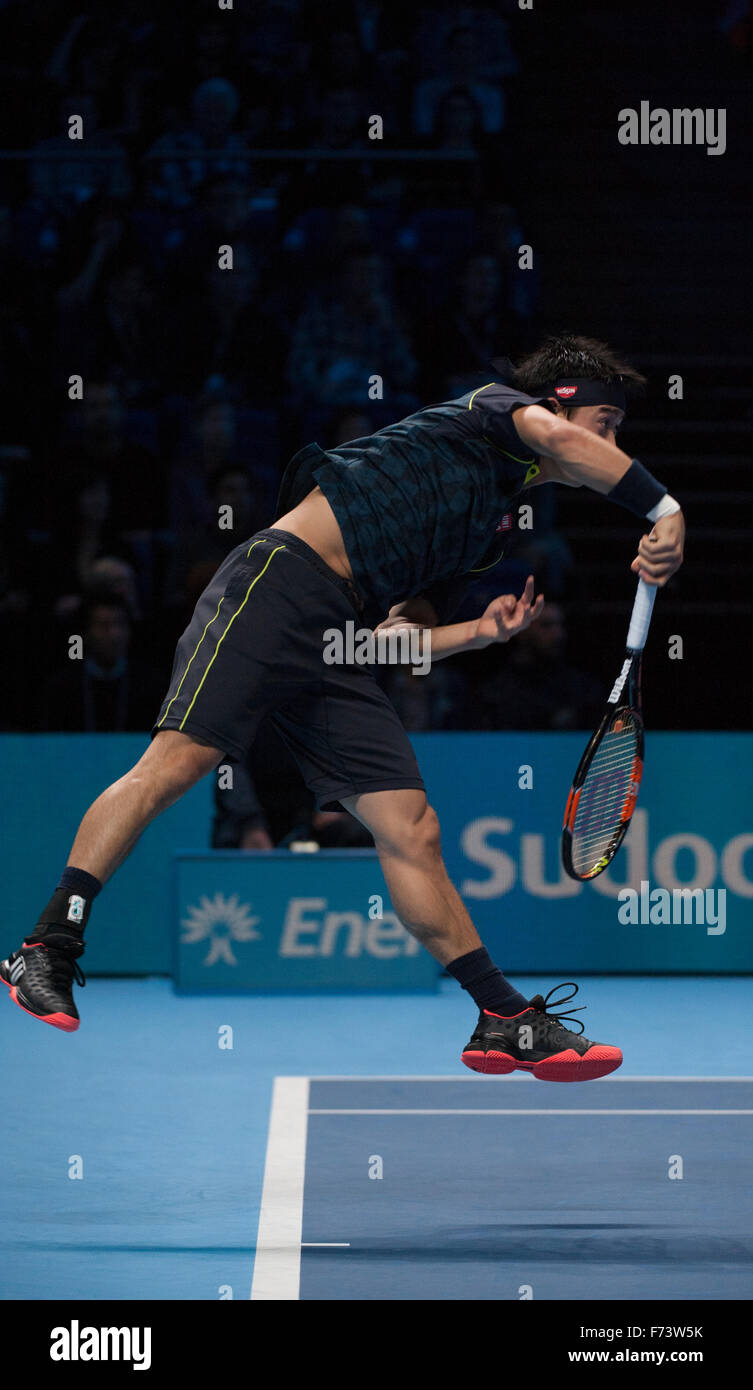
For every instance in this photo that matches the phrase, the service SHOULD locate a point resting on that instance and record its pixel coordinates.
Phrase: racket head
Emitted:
(604, 792)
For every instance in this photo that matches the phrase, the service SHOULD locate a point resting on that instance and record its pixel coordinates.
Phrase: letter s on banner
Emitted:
(503, 869)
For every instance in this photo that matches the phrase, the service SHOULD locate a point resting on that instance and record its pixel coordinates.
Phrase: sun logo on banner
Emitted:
(221, 920)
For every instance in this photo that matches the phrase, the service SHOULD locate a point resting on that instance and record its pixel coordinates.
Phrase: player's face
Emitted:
(604, 420)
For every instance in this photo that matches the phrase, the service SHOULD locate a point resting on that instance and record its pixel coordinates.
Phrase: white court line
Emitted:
(520, 1076)
(277, 1267)
(519, 1110)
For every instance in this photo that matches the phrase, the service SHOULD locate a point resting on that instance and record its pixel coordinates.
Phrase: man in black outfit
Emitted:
(385, 530)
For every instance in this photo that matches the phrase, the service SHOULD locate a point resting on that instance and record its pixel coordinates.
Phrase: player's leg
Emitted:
(40, 974)
(215, 701)
(407, 837)
(354, 752)
(512, 1032)
(172, 764)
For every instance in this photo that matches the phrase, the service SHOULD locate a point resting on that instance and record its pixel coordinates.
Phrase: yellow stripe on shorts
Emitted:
(188, 668)
(196, 651)
(238, 610)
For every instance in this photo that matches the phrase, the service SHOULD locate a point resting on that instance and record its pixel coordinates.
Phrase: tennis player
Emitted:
(387, 529)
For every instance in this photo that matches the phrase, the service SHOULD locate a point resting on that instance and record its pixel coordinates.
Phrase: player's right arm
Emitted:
(581, 458)
(577, 456)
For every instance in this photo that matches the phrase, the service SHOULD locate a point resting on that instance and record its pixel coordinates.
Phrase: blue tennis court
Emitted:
(145, 1161)
(446, 1188)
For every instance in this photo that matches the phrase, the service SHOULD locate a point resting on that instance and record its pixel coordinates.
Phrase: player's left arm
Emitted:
(579, 458)
(504, 618)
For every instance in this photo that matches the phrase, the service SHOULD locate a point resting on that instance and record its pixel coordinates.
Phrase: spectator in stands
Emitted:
(337, 63)
(111, 575)
(210, 140)
(93, 241)
(543, 550)
(501, 235)
(342, 117)
(126, 329)
(99, 54)
(104, 691)
(462, 339)
(319, 238)
(210, 460)
(233, 513)
(380, 32)
(211, 451)
(460, 68)
(455, 183)
(109, 313)
(434, 701)
(23, 342)
(240, 821)
(82, 533)
(223, 214)
(273, 44)
(97, 450)
(214, 52)
(268, 804)
(59, 174)
(532, 686)
(77, 558)
(348, 334)
(223, 334)
(494, 55)
(458, 121)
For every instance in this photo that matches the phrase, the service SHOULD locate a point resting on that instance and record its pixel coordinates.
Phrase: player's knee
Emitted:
(413, 837)
(431, 837)
(169, 768)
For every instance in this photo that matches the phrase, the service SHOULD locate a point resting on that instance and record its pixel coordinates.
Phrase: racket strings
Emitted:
(605, 791)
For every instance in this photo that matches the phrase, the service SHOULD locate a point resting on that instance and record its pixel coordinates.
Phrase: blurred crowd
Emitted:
(352, 259)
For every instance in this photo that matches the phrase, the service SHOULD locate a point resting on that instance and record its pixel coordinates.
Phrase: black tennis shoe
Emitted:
(40, 978)
(536, 1041)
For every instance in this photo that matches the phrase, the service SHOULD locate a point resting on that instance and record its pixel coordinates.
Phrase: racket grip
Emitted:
(643, 607)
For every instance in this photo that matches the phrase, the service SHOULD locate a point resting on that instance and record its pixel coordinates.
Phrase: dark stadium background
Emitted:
(354, 257)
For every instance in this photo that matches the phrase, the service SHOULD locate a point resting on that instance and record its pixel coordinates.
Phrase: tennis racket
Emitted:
(605, 787)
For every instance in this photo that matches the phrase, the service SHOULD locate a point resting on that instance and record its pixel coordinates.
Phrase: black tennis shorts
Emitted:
(254, 647)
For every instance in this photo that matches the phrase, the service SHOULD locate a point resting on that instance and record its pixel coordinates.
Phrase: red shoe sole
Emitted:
(62, 1021)
(600, 1060)
(490, 1063)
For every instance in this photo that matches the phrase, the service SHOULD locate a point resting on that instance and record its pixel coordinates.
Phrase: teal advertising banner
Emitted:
(500, 799)
(272, 920)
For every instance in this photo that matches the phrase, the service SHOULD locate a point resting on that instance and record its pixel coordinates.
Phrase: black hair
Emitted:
(570, 355)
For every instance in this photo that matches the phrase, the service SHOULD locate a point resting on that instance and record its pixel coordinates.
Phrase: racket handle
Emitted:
(643, 607)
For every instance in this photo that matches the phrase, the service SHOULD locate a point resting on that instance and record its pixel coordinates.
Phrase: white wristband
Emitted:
(666, 507)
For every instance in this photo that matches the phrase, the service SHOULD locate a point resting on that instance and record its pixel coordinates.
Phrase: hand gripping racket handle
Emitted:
(640, 618)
